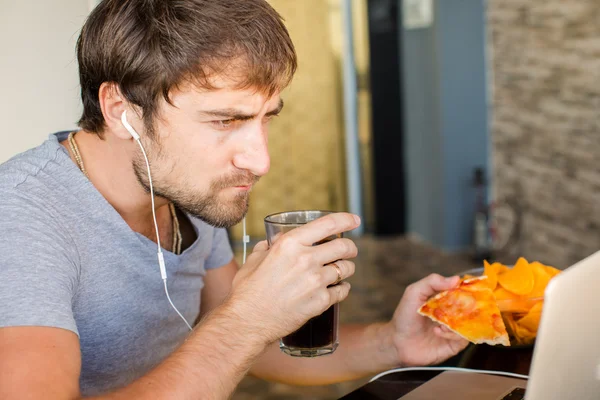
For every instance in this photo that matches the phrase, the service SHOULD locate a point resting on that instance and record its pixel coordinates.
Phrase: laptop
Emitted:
(566, 358)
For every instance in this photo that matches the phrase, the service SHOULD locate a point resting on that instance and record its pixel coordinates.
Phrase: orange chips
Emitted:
(541, 277)
(531, 320)
(519, 279)
(523, 281)
(492, 271)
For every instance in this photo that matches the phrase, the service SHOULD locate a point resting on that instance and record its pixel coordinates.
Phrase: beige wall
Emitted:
(39, 91)
(546, 123)
(306, 141)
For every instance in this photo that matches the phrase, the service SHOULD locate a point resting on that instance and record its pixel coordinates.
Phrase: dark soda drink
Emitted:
(319, 331)
(319, 335)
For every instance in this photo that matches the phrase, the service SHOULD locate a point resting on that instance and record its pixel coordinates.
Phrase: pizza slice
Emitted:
(469, 310)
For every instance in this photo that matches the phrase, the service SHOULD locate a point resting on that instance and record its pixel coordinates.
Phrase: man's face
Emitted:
(208, 150)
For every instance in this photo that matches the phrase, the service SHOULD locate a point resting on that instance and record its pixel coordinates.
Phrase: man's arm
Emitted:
(363, 350)
(44, 362)
(408, 339)
(39, 362)
(210, 364)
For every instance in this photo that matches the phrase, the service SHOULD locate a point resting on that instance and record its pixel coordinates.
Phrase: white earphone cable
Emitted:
(173, 305)
(151, 195)
(245, 239)
(161, 258)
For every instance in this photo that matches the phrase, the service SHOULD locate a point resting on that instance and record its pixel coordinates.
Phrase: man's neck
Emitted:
(108, 164)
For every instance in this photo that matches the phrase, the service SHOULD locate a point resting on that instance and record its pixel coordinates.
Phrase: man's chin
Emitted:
(222, 211)
(233, 217)
(221, 220)
(226, 216)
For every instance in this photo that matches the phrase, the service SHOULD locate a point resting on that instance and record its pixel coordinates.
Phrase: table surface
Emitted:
(482, 357)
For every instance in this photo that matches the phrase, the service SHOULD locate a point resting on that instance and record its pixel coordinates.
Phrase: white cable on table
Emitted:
(479, 371)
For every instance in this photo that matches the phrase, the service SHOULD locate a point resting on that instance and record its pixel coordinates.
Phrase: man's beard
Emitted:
(205, 206)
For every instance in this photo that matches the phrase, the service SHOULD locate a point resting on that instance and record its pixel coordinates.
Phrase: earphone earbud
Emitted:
(127, 126)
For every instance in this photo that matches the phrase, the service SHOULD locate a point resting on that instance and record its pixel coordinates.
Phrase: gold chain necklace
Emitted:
(177, 238)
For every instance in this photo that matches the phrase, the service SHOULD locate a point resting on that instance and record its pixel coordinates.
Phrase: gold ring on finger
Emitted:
(339, 273)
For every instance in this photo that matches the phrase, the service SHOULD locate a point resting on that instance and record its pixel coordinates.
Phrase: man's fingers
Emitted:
(439, 283)
(324, 227)
(263, 245)
(338, 293)
(445, 333)
(444, 328)
(330, 273)
(431, 285)
(337, 249)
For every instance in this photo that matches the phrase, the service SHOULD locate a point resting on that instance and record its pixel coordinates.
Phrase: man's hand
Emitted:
(280, 288)
(417, 339)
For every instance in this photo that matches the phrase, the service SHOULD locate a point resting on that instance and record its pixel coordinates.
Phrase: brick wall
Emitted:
(545, 80)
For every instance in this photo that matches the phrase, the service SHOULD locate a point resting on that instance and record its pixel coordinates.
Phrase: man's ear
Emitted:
(112, 104)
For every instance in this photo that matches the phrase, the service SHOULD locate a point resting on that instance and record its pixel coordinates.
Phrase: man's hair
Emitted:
(149, 47)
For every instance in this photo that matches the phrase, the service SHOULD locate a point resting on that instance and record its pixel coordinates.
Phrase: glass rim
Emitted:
(268, 218)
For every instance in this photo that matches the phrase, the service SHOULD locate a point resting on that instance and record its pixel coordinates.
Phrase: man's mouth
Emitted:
(240, 182)
(244, 187)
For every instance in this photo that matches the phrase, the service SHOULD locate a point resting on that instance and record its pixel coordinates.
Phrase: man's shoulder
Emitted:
(26, 178)
(30, 163)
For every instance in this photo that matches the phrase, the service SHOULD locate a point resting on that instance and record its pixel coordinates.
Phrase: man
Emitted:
(82, 308)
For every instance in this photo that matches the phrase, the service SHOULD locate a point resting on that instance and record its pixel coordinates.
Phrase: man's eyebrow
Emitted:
(232, 113)
(276, 110)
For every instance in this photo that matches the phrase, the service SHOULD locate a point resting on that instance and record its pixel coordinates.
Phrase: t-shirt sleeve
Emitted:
(221, 252)
(38, 268)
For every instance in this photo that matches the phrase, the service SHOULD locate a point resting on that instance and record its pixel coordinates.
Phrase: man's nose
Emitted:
(254, 155)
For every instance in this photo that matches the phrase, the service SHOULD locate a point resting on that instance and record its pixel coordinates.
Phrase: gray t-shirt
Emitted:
(68, 260)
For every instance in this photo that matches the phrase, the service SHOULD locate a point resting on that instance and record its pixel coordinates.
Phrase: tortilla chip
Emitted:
(519, 279)
(500, 267)
(523, 335)
(503, 294)
(492, 271)
(541, 279)
(510, 323)
(552, 271)
(531, 321)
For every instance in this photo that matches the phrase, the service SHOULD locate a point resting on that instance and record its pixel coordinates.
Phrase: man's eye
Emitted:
(223, 124)
(269, 118)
